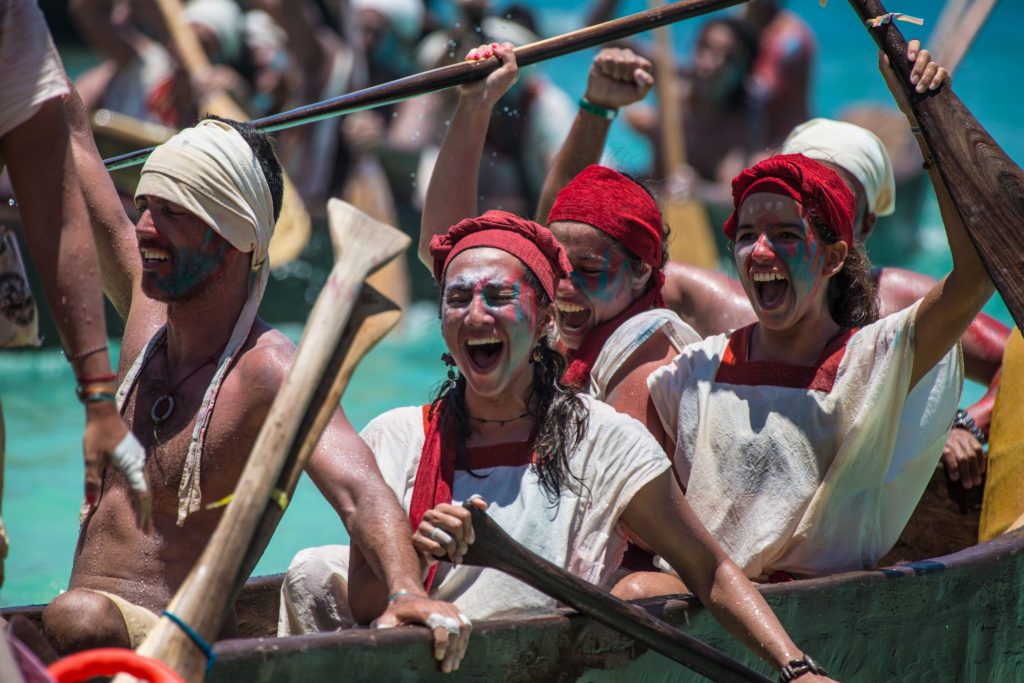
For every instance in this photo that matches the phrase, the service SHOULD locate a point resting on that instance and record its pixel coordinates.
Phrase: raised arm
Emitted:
(682, 540)
(383, 560)
(113, 231)
(618, 77)
(56, 228)
(452, 191)
(949, 307)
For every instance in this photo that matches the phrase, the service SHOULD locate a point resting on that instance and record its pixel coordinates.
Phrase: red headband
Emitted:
(617, 206)
(811, 183)
(530, 242)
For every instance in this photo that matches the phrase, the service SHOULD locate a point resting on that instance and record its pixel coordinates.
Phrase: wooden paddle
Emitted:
(691, 239)
(322, 366)
(464, 72)
(293, 225)
(984, 183)
(128, 129)
(496, 549)
(956, 30)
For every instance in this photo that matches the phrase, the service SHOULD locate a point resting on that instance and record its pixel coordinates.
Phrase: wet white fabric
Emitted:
(617, 458)
(806, 481)
(314, 593)
(629, 337)
(856, 149)
(32, 71)
(212, 172)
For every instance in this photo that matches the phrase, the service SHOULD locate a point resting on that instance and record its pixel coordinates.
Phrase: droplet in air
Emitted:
(11, 202)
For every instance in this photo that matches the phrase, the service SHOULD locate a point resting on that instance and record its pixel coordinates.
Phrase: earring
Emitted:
(450, 362)
(537, 357)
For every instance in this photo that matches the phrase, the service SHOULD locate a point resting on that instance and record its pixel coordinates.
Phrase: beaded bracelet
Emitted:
(94, 394)
(597, 110)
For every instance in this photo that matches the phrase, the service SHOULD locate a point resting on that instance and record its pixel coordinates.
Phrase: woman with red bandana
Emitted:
(785, 432)
(548, 460)
(610, 317)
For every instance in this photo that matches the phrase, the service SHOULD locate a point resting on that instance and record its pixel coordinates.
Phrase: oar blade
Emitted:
(351, 229)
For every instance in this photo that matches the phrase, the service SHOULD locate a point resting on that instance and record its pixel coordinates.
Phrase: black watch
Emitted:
(798, 667)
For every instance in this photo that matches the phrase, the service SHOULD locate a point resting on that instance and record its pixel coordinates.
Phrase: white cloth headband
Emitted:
(211, 171)
(856, 149)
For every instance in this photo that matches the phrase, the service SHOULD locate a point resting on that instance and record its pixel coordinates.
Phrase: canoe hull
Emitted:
(956, 618)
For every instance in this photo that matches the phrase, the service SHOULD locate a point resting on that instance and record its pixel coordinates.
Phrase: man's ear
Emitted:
(835, 257)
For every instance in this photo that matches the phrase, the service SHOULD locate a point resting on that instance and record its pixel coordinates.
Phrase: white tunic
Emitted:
(616, 458)
(32, 72)
(807, 470)
(629, 337)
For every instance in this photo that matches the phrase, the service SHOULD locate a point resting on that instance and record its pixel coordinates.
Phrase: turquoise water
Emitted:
(43, 474)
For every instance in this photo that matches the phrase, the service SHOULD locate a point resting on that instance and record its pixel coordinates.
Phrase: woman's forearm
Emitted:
(452, 192)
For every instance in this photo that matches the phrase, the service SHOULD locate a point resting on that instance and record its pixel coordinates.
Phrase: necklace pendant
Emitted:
(160, 416)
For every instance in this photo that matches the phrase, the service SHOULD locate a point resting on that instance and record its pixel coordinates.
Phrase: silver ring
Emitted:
(439, 535)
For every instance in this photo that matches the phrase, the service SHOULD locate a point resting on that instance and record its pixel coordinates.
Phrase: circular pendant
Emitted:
(159, 417)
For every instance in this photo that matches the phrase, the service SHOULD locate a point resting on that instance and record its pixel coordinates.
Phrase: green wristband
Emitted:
(398, 594)
(597, 110)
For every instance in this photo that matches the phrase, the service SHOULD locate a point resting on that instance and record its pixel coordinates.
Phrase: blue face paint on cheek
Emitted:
(193, 267)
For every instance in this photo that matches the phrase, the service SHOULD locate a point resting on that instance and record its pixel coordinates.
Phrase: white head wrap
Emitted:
(856, 149)
(211, 171)
(406, 16)
(224, 19)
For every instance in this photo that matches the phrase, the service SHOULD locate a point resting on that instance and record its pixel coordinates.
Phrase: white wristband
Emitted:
(130, 458)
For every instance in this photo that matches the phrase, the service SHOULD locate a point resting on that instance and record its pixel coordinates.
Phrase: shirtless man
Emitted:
(198, 373)
(35, 144)
(713, 303)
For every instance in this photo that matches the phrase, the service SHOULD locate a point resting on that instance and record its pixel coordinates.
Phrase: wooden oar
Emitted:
(293, 225)
(691, 239)
(464, 72)
(304, 403)
(496, 549)
(984, 183)
(956, 30)
(128, 129)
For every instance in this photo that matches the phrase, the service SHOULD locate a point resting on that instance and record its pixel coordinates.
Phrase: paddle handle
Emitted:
(986, 186)
(666, 85)
(496, 549)
(464, 72)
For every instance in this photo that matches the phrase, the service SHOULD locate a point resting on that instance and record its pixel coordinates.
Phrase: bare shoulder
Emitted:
(265, 358)
(898, 288)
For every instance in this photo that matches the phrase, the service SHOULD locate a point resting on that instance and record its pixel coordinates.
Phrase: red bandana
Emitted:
(811, 183)
(530, 242)
(620, 208)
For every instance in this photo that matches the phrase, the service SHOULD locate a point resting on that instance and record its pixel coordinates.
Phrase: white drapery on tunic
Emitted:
(819, 476)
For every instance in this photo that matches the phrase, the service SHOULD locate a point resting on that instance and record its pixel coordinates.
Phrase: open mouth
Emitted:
(153, 256)
(771, 289)
(484, 353)
(572, 317)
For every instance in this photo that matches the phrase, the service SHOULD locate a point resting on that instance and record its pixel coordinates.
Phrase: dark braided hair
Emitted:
(562, 416)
